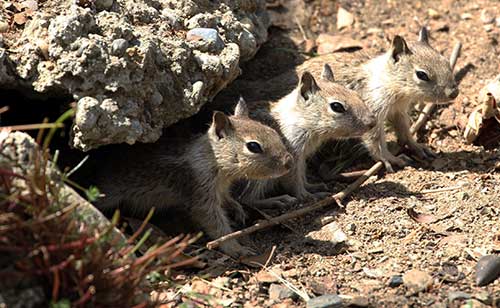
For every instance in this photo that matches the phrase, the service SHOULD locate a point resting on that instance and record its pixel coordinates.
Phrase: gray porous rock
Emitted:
(133, 66)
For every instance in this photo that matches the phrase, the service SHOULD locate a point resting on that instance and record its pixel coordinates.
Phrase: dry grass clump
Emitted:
(78, 262)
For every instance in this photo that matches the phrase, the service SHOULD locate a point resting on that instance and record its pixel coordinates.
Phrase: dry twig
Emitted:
(337, 198)
(443, 189)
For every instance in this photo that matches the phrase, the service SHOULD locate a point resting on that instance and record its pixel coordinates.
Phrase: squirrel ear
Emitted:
(399, 48)
(423, 35)
(241, 109)
(307, 85)
(327, 73)
(221, 125)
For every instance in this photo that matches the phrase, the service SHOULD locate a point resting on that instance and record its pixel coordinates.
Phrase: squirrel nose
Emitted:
(288, 161)
(451, 92)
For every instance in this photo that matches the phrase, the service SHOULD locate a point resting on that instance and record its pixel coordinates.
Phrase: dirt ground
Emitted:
(396, 222)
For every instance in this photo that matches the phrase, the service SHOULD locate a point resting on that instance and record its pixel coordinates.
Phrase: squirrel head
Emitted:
(248, 149)
(330, 109)
(421, 71)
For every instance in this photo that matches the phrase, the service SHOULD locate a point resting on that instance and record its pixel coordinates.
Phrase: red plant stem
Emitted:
(55, 286)
(13, 174)
(157, 251)
(78, 244)
(175, 254)
(56, 267)
(183, 263)
(13, 248)
(86, 297)
(141, 305)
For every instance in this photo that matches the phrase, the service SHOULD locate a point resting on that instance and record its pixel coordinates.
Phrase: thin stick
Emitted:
(437, 190)
(429, 108)
(337, 198)
(267, 216)
(33, 126)
(344, 176)
(455, 54)
(304, 36)
(4, 109)
(422, 118)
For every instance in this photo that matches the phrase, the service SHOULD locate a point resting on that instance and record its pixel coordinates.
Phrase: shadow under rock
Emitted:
(278, 55)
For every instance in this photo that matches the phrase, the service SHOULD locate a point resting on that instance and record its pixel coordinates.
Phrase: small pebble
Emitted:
(487, 17)
(103, 4)
(337, 236)
(248, 44)
(417, 281)
(433, 14)
(119, 46)
(208, 35)
(487, 270)
(172, 18)
(396, 281)
(197, 89)
(359, 301)
(488, 28)
(344, 18)
(325, 301)
(280, 292)
(454, 295)
(483, 296)
(4, 26)
(466, 16)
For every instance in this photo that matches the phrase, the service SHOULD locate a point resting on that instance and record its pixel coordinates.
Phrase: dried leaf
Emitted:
(449, 272)
(454, 239)
(344, 18)
(483, 126)
(19, 6)
(421, 218)
(30, 4)
(473, 125)
(333, 43)
(496, 242)
(257, 261)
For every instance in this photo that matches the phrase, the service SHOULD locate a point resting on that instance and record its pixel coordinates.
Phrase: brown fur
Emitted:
(195, 174)
(388, 84)
(305, 121)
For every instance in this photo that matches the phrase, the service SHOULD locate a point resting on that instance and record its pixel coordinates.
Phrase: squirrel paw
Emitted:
(322, 195)
(316, 187)
(422, 151)
(235, 250)
(240, 216)
(282, 201)
(400, 162)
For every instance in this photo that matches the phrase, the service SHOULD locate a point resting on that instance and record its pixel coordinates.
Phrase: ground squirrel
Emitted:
(195, 174)
(314, 112)
(389, 83)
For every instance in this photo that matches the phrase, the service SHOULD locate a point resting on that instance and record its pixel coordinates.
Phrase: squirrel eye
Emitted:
(254, 147)
(422, 75)
(337, 107)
